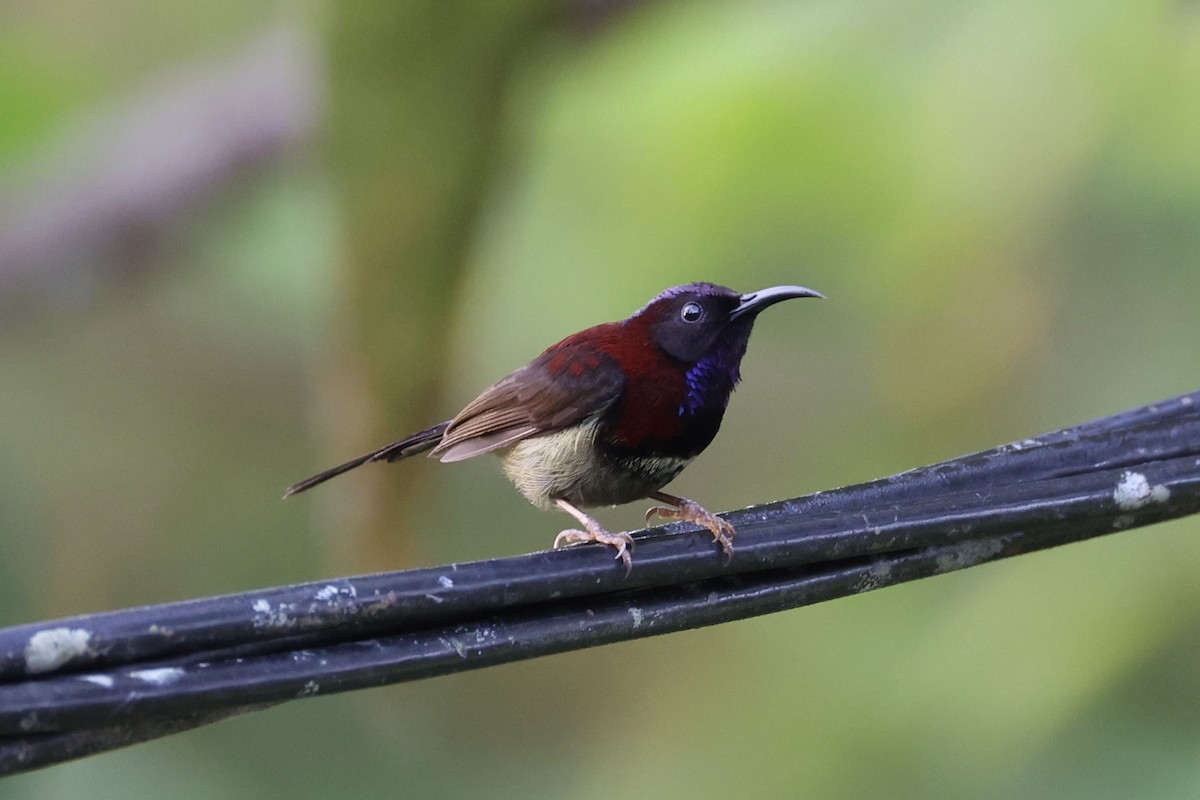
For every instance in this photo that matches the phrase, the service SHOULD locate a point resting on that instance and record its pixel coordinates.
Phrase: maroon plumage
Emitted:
(610, 414)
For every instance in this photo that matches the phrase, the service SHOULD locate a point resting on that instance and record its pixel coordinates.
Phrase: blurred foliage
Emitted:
(1001, 199)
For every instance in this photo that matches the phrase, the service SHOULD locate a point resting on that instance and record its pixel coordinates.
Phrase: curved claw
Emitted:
(569, 536)
(622, 541)
(691, 511)
(660, 511)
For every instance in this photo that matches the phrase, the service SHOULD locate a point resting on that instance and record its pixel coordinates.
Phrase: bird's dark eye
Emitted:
(692, 312)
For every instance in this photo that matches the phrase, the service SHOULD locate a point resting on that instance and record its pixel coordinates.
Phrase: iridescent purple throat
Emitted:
(709, 384)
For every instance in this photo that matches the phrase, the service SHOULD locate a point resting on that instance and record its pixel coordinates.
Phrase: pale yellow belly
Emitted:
(566, 465)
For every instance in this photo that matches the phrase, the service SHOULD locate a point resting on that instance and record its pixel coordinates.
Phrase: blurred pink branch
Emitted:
(114, 181)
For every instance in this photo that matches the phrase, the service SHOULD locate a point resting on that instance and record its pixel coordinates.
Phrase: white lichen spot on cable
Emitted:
(50, 649)
(877, 575)
(968, 554)
(267, 617)
(1134, 491)
(637, 616)
(332, 593)
(455, 644)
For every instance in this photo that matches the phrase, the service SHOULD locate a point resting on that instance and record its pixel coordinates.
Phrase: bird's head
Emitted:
(701, 322)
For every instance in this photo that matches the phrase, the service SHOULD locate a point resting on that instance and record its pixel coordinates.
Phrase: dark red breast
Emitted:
(645, 416)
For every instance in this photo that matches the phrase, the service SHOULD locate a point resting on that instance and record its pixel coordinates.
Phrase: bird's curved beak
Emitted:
(754, 302)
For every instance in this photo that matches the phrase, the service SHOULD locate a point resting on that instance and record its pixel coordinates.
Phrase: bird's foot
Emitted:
(595, 532)
(622, 541)
(684, 510)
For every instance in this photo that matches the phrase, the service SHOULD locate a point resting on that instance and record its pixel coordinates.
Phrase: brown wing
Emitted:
(563, 386)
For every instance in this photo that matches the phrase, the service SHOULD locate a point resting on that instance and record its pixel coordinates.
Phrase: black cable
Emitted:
(125, 675)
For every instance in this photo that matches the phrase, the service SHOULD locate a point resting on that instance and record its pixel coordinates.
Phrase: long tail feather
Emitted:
(401, 448)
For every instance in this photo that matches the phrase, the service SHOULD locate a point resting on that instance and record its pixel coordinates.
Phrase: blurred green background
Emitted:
(240, 242)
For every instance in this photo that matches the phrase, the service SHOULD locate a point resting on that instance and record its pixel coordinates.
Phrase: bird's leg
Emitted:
(691, 511)
(594, 532)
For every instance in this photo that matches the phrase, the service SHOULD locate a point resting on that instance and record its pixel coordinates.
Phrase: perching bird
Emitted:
(608, 415)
